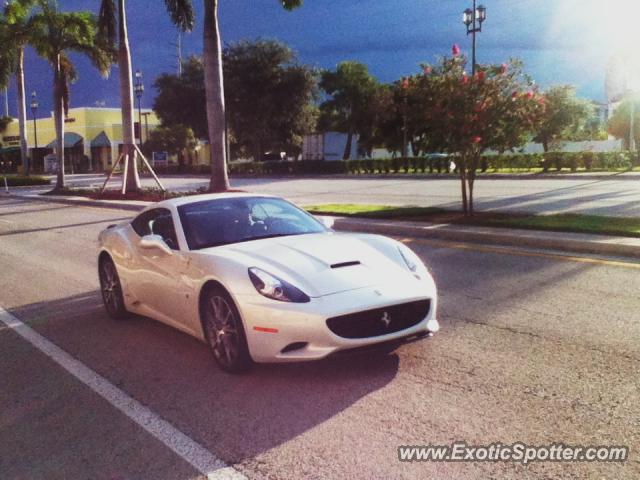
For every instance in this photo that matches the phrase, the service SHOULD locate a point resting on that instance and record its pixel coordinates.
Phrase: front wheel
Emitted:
(224, 331)
(111, 290)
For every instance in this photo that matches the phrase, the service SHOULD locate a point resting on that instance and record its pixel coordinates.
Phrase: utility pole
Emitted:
(6, 101)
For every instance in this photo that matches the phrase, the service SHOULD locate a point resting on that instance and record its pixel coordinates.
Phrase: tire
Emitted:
(224, 331)
(111, 289)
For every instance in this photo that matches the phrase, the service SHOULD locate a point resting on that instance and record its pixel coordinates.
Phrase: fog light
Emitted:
(433, 325)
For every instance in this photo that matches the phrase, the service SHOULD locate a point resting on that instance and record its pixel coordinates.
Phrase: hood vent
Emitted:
(345, 264)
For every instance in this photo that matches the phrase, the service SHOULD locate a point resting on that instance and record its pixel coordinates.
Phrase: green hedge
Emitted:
(551, 161)
(362, 166)
(22, 180)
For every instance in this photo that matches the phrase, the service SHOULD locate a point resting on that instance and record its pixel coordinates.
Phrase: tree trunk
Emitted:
(471, 178)
(470, 182)
(462, 168)
(214, 89)
(545, 145)
(347, 148)
(126, 99)
(22, 112)
(58, 119)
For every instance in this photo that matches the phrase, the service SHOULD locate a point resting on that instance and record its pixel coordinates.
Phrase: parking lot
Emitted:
(534, 347)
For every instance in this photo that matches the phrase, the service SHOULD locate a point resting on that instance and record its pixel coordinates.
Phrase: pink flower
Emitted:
(481, 76)
(426, 70)
(405, 83)
(464, 80)
(455, 50)
(476, 139)
(503, 68)
(529, 95)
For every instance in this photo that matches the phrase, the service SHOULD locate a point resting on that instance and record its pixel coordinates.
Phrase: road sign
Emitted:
(160, 159)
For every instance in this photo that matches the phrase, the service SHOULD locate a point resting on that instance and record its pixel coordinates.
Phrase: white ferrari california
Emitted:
(259, 279)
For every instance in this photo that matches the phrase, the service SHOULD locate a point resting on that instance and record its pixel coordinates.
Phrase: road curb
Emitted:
(86, 202)
(561, 241)
(572, 243)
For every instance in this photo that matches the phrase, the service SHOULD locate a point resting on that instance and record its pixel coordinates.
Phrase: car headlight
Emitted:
(276, 289)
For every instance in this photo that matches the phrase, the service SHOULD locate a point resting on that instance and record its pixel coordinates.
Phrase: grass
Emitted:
(16, 180)
(627, 227)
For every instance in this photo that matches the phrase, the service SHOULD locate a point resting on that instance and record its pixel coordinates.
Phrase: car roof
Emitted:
(178, 201)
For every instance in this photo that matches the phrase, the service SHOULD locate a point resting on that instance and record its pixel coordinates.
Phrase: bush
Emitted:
(23, 180)
(549, 161)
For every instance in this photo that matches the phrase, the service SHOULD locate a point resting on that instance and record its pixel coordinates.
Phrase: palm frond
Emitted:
(181, 13)
(8, 56)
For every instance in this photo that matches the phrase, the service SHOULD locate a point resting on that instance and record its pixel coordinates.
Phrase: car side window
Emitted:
(162, 225)
(158, 222)
(141, 224)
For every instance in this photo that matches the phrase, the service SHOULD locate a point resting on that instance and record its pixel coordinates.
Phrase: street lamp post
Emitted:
(473, 19)
(139, 90)
(34, 109)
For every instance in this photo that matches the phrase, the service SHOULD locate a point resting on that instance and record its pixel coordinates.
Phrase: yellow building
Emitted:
(93, 139)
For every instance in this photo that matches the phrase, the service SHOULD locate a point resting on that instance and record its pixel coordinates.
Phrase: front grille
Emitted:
(381, 321)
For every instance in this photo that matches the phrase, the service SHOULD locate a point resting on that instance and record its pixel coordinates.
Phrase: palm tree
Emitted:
(54, 35)
(110, 20)
(14, 37)
(214, 88)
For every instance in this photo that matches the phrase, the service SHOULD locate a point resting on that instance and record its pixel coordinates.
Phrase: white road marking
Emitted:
(186, 448)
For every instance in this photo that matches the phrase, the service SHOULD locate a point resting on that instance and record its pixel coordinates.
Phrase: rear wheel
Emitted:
(224, 331)
(111, 289)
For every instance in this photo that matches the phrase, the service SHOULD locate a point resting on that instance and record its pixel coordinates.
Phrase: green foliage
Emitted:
(551, 161)
(629, 227)
(54, 35)
(15, 35)
(496, 109)
(4, 122)
(356, 104)
(23, 180)
(620, 122)
(565, 117)
(268, 96)
(173, 139)
(181, 100)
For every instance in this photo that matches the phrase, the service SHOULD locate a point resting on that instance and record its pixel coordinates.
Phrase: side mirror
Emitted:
(326, 221)
(156, 242)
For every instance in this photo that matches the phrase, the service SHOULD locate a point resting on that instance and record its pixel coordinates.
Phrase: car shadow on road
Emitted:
(235, 417)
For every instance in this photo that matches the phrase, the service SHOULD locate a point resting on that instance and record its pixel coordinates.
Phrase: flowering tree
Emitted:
(464, 116)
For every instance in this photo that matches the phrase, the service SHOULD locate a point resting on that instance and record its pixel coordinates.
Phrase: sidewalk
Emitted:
(561, 241)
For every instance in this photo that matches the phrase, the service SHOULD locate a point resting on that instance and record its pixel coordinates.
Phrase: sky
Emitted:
(560, 41)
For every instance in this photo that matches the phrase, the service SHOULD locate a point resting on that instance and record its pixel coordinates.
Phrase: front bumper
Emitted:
(272, 326)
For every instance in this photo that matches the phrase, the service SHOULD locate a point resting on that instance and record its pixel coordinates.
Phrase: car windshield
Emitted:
(224, 221)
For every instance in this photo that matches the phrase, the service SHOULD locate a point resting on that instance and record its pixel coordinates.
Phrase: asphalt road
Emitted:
(534, 348)
(614, 197)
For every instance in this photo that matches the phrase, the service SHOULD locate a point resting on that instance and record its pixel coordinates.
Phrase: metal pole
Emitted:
(35, 129)
(473, 44)
(6, 101)
(140, 118)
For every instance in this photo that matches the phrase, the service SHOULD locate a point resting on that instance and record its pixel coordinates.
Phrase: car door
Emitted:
(161, 285)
